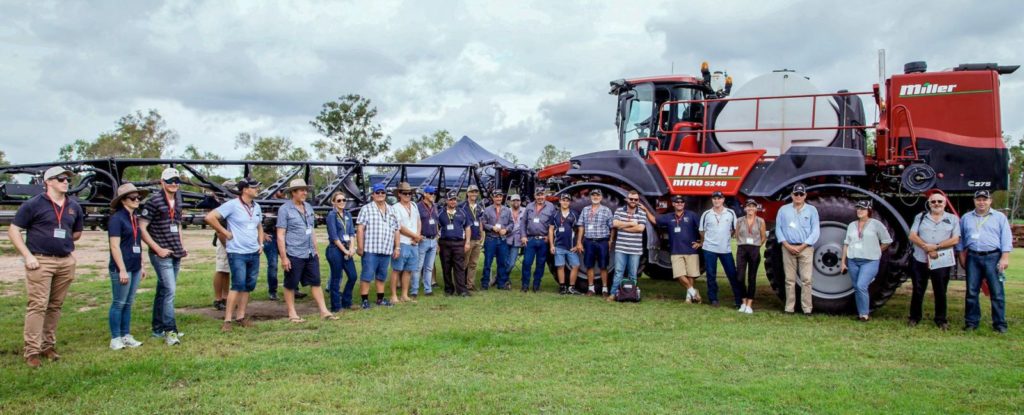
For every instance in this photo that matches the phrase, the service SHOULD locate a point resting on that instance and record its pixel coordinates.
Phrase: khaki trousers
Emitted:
(801, 262)
(46, 287)
(472, 259)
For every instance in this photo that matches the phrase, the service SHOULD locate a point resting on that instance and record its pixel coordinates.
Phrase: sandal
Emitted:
(296, 320)
(329, 317)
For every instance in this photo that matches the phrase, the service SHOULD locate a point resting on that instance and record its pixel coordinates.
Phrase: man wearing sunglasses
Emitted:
(428, 212)
(629, 224)
(798, 229)
(933, 231)
(683, 229)
(52, 223)
(160, 221)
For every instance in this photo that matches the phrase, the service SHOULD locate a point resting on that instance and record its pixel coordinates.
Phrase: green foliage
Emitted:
(135, 135)
(193, 153)
(4, 162)
(551, 155)
(349, 130)
(270, 148)
(511, 157)
(1016, 171)
(422, 148)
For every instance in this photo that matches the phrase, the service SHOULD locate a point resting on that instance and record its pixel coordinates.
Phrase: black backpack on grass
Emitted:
(628, 292)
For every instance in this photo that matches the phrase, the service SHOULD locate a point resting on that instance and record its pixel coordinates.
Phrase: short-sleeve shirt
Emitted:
(38, 217)
(163, 221)
(243, 223)
(717, 228)
(596, 225)
(473, 215)
(682, 231)
(866, 243)
(630, 243)
(298, 229)
(749, 234)
(409, 218)
(428, 219)
(537, 222)
(564, 226)
(458, 220)
(125, 225)
(379, 229)
(933, 232)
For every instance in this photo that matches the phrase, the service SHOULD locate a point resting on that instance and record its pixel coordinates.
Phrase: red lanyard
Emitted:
(170, 208)
(60, 213)
(561, 219)
(678, 218)
(248, 209)
(135, 227)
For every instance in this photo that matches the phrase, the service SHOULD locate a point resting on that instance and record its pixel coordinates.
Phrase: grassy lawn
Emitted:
(508, 352)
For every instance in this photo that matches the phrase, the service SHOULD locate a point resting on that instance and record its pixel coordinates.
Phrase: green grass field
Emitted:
(508, 352)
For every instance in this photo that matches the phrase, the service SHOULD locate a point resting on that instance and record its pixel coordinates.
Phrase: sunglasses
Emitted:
(799, 194)
(133, 198)
(339, 200)
(633, 199)
(678, 201)
(405, 193)
(62, 179)
(936, 202)
(379, 192)
(173, 181)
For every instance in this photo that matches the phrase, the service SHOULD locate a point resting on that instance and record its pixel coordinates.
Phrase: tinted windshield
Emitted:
(637, 122)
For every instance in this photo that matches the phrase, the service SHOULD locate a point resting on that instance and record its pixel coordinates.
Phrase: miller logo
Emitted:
(704, 174)
(925, 89)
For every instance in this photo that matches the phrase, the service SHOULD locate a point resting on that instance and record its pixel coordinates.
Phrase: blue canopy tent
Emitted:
(463, 152)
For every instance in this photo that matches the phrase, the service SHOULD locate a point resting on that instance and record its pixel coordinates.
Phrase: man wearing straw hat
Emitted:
(409, 237)
(160, 222)
(52, 223)
(296, 247)
(243, 243)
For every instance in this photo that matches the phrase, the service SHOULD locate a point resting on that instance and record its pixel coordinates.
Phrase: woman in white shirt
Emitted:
(866, 239)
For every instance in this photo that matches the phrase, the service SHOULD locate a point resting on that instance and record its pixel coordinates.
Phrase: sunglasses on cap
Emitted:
(173, 181)
(678, 201)
(62, 179)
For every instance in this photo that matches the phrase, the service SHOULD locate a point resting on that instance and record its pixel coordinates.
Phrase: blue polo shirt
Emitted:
(564, 226)
(474, 216)
(681, 241)
(428, 219)
(459, 221)
(120, 225)
(244, 222)
(38, 217)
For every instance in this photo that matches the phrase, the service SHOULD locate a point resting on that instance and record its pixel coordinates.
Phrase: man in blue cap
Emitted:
(428, 244)
(377, 242)
(985, 253)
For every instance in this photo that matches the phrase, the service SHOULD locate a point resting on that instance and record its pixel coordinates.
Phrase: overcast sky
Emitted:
(513, 75)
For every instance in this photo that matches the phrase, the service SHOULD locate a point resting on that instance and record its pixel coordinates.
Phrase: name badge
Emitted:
(431, 221)
(792, 225)
(450, 227)
(750, 241)
(857, 245)
(309, 231)
(60, 233)
(561, 229)
(136, 249)
(974, 236)
(174, 228)
(536, 220)
(345, 238)
(677, 229)
(497, 226)
(591, 227)
(475, 223)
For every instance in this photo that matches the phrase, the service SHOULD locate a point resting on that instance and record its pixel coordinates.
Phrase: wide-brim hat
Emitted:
(125, 190)
(404, 187)
(296, 185)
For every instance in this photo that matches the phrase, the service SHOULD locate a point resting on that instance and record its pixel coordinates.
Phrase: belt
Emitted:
(979, 253)
(538, 236)
(597, 239)
(453, 239)
(430, 237)
(50, 255)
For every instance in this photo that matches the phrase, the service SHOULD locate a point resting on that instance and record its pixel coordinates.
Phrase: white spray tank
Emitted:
(776, 113)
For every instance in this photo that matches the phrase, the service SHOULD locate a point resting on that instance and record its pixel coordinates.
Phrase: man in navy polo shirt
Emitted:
(455, 234)
(52, 223)
(561, 243)
(682, 228)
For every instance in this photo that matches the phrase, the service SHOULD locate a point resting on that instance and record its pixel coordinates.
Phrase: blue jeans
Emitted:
(244, 270)
(624, 264)
(535, 255)
(513, 256)
(984, 267)
(120, 315)
(166, 284)
(336, 259)
(862, 272)
(270, 251)
(711, 269)
(375, 266)
(495, 247)
(425, 270)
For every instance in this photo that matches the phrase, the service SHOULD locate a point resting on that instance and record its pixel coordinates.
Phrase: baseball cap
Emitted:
(497, 192)
(596, 192)
(799, 188)
(472, 188)
(514, 197)
(56, 171)
(454, 194)
(430, 190)
(863, 204)
(752, 202)
(248, 182)
(170, 173)
(566, 196)
(717, 193)
(540, 191)
(379, 187)
(983, 193)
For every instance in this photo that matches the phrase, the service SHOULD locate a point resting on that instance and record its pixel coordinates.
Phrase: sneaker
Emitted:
(689, 297)
(385, 303)
(749, 310)
(742, 308)
(171, 338)
(272, 297)
(130, 341)
(116, 343)
(365, 305)
(590, 293)
(524, 289)
(220, 305)
(572, 291)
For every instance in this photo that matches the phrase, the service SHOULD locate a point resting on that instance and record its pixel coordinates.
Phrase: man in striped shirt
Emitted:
(628, 226)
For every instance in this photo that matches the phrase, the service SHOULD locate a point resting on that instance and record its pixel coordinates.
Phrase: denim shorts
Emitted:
(595, 253)
(563, 256)
(374, 266)
(408, 259)
(244, 270)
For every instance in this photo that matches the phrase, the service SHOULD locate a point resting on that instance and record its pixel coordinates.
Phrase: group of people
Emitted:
(401, 241)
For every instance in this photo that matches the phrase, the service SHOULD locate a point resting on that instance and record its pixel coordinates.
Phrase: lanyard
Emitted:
(341, 221)
(472, 210)
(431, 212)
(562, 218)
(451, 215)
(538, 208)
(750, 228)
(248, 209)
(860, 229)
(592, 217)
(982, 223)
(60, 213)
(170, 208)
(305, 220)
(135, 227)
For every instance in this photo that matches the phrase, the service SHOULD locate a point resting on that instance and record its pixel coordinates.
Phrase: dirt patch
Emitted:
(260, 310)
(92, 253)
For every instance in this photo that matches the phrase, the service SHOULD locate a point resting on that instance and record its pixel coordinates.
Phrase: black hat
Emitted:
(863, 204)
(497, 192)
(566, 196)
(595, 192)
(247, 182)
(453, 194)
(983, 193)
(799, 188)
(717, 193)
(678, 198)
(752, 202)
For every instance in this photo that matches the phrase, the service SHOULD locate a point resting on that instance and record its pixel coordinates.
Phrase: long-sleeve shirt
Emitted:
(518, 229)
(985, 233)
(538, 215)
(496, 218)
(473, 214)
(798, 227)
(340, 228)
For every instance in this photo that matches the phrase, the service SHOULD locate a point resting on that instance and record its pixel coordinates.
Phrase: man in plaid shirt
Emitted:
(595, 225)
(377, 241)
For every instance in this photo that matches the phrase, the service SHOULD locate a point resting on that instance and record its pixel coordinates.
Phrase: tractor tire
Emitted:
(656, 272)
(833, 291)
